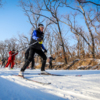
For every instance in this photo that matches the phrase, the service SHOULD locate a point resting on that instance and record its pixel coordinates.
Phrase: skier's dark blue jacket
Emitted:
(35, 35)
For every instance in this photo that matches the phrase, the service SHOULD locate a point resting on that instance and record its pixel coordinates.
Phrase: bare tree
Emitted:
(0, 3)
(50, 7)
(85, 1)
(80, 9)
(6, 46)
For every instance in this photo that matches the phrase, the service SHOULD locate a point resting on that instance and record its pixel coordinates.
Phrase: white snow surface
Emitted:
(69, 87)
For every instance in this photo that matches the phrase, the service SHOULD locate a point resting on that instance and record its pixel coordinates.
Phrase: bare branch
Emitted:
(89, 2)
(75, 9)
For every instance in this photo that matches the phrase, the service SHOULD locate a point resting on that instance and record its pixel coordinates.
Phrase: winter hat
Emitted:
(13, 50)
(40, 25)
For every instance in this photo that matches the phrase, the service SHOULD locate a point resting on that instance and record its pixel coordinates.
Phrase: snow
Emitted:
(59, 63)
(69, 87)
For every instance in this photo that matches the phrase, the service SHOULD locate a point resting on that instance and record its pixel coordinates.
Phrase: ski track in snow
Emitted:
(85, 87)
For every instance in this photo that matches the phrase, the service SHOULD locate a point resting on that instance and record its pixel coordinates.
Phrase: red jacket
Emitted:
(12, 55)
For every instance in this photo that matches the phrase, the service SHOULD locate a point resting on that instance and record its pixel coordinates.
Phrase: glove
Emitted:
(39, 39)
(45, 51)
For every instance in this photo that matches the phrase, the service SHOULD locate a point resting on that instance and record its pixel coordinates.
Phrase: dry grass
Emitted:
(84, 65)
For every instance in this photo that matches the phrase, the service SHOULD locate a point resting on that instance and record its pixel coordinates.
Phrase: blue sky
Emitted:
(12, 20)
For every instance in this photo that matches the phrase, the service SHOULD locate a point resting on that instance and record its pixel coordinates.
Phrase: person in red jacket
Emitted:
(11, 58)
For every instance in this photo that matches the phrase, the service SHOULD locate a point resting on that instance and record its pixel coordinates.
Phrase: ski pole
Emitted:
(25, 47)
(28, 46)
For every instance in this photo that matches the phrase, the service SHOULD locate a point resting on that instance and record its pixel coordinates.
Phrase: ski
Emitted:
(78, 75)
(44, 74)
(32, 80)
(51, 74)
(57, 74)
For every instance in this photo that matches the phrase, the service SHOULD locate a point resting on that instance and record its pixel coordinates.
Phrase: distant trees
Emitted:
(0, 3)
(6, 46)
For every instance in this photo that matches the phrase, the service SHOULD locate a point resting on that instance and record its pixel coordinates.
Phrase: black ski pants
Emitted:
(26, 57)
(32, 51)
(3, 63)
(50, 65)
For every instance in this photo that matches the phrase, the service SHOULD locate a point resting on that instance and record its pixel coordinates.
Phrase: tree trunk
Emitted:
(64, 53)
(90, 32)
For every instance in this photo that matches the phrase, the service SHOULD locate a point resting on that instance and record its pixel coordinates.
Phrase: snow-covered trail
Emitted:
(86, 87)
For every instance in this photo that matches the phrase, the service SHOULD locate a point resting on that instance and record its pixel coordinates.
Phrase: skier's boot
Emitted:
(44, 73)
(11, 68)
(21, 74)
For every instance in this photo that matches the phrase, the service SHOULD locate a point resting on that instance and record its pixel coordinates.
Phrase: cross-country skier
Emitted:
(50, 62)
(3, 62)
(11, 58)
(26, 57)
(37, 35)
